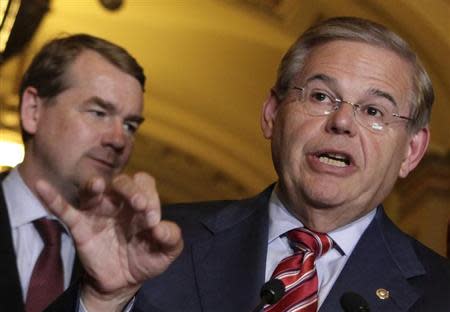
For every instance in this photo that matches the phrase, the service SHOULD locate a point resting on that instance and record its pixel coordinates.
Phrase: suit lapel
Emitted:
(382, 259)
(10, 289)
(77, 271)
(230, 265)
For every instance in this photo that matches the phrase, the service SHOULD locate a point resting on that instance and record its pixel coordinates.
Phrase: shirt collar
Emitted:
(23, 206)
(345, 237)
(280, 219)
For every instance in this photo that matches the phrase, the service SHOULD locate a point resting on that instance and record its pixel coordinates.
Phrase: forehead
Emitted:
(358, 66)
(89, 64)
(92, 75)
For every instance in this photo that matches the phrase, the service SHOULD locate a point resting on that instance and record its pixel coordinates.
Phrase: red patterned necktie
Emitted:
(298, 271)
(47, 279)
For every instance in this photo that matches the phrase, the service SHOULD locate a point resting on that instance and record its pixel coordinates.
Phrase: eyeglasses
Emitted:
(374, 115)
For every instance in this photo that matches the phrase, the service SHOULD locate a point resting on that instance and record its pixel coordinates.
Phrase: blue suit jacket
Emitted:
(222, 266)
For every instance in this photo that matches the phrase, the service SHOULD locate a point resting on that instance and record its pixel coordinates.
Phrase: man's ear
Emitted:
(268, 114)
(415, 151)
(30, 109)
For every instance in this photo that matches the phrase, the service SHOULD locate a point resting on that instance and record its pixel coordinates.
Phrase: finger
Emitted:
(140, 193)
(91, 193)
(56, 204)
(168, 236)
(147, 185)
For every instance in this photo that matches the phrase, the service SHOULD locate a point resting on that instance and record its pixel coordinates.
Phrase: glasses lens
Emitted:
(318, 102)
(374, 115)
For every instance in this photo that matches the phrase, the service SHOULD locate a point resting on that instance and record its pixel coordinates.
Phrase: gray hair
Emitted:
(360, 30)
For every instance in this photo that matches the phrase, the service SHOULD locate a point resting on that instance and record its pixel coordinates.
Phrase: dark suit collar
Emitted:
(236, 212)
(383, 259)
(399, 246)
(10, 289)
(234, 256)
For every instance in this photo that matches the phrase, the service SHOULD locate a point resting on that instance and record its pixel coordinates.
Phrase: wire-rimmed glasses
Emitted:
(374, 115)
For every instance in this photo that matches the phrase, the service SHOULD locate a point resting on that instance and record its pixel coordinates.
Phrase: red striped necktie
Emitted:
(298, 271)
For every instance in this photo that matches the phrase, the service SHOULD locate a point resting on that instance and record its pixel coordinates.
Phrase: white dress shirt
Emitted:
(24, 208)
(330, 265)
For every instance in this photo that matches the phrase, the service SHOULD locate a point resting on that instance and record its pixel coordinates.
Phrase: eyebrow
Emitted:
(324, 78)
(110, 107)
(333, 82)
(383, 94)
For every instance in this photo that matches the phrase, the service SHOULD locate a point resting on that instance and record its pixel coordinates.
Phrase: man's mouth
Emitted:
(105, 163)
(109, 163)
(335, 159)
(105, 159)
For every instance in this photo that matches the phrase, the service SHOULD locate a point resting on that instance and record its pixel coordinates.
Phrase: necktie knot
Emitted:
(306, 240)
(298, 271)
(49, 230)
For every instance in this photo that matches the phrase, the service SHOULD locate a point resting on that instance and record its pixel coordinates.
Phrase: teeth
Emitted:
(333, 162)
(338, 156)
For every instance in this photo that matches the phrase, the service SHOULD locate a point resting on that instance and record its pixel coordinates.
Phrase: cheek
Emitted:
(61, 125)
(384, 154)
(293, 139)
(125, 155)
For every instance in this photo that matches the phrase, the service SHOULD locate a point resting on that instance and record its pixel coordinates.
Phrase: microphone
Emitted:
(352, 302)
(271, 292)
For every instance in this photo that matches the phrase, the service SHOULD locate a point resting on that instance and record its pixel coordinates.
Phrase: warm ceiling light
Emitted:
(19, 20)
(3, 7)
(11, 148)
(8, 14)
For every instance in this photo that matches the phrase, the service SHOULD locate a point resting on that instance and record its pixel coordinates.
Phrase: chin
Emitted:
(320, 203)
(323, 198)
(84, 176)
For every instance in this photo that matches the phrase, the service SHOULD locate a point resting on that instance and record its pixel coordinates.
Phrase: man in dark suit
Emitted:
(80, 104)
(347, 116)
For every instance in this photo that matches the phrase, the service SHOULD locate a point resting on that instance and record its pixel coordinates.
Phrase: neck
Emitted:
(32, 171)
(321, 218)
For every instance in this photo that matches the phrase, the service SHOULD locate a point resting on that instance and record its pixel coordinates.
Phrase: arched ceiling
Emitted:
(210, 65)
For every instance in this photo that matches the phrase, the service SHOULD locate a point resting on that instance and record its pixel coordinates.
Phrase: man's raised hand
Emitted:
(119, 235)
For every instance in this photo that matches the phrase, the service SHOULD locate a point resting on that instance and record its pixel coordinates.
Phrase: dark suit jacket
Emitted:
(11, 298)
(222, 266)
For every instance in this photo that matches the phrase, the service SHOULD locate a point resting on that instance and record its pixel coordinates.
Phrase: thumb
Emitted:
(56, 204)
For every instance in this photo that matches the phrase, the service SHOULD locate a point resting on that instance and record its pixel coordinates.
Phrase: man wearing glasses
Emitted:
(347, 116)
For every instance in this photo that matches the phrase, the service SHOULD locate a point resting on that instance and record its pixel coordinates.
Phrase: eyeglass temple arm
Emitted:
(402, 117)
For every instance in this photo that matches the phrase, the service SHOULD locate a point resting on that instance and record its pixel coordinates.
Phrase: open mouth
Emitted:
(335, 159)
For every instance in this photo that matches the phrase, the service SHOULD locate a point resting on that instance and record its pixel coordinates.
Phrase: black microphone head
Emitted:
(272, 291)
(352, 302)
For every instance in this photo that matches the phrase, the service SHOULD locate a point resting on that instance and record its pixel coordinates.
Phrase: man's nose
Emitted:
(115, 135)
(342, 120)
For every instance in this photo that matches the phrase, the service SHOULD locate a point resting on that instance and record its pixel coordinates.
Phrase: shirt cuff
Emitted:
(128, 307)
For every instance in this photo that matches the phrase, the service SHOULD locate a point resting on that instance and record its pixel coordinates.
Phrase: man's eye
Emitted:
(373, 111)
(97, 113)
(321, 97)
(131, 127)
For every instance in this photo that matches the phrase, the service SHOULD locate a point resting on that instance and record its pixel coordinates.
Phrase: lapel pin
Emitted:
(382, 293)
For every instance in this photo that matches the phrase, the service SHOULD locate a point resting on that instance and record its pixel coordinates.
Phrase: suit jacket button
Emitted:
(382, 293)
